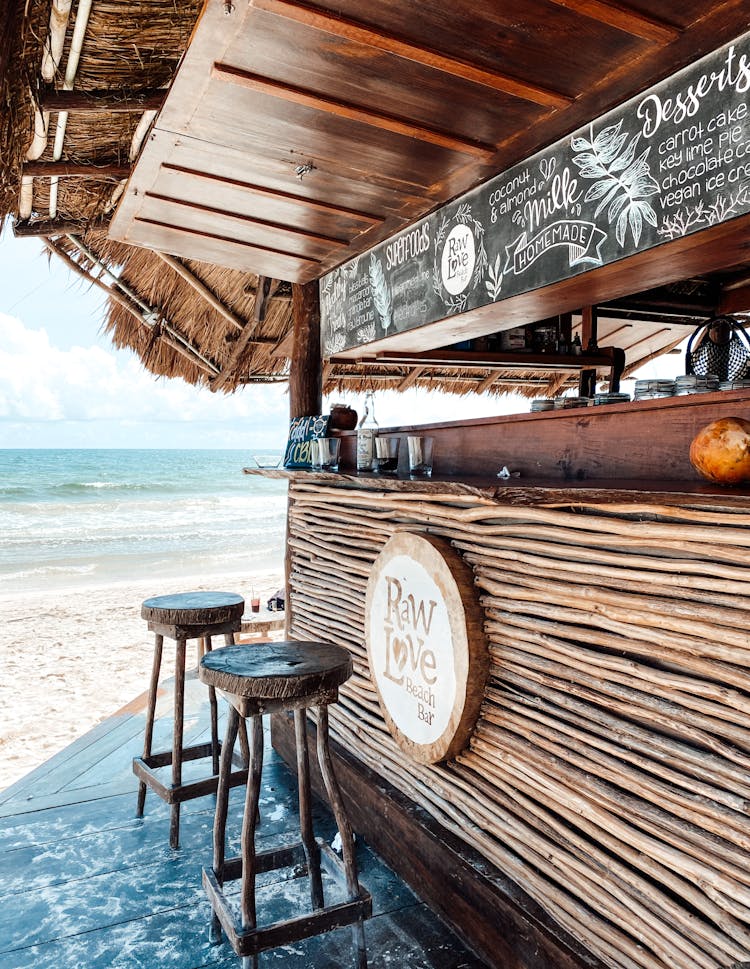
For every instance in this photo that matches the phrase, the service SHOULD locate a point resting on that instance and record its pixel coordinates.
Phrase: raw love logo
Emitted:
(426, 647)
(409, 661)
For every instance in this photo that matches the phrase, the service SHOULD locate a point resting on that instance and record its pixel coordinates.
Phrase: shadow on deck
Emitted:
(86, 885)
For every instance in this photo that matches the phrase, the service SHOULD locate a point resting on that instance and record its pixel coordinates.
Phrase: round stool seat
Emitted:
(181, 617)
(276, 671)
(281, 678)
(193, 608)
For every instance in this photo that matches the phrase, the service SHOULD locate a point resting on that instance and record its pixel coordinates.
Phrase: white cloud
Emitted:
(42, 385)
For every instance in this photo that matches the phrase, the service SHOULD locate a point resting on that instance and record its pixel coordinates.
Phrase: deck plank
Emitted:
(85, 883)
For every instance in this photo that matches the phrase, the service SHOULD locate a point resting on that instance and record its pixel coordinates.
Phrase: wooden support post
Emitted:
(589, 321)
(305, 384)
(565, 325)
(306, 371)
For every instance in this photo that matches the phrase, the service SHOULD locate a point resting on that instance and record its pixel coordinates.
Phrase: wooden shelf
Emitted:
(603, 359)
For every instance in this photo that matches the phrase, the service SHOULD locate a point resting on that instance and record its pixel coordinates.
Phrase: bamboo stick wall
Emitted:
(609, 771)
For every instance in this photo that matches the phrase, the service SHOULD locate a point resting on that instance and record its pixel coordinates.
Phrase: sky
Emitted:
(63, 384)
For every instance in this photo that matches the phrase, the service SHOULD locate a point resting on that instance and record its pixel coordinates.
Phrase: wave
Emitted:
(48, 570)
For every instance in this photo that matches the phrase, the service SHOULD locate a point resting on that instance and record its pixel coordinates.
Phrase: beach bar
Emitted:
(547, 729)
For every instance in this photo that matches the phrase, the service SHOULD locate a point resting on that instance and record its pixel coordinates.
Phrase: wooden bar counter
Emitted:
(598, 815)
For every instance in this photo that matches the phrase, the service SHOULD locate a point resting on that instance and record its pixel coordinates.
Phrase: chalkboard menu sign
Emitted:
(302, 432)
(672, 161)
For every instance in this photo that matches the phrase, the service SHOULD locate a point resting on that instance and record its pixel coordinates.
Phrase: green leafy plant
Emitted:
(623, 181)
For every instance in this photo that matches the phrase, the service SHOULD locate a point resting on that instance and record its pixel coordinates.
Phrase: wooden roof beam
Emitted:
(541, 382)
(169, 337)
(111, 101)
(53, 227)
(283, 347)
(488, 381)
(65, 169)
(410, 379)
(262, 296)
(213, 301)
(339, 26)
(625, 19)
(350, 112)
(735, 298)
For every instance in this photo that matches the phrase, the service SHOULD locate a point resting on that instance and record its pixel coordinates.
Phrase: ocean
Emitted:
(73, 518)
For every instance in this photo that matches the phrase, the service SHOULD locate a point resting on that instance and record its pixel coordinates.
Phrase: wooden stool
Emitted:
(270, 678)
(187, 615)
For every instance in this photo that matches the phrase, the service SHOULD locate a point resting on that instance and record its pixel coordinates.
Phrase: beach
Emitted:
(84, 538)
(71, 659)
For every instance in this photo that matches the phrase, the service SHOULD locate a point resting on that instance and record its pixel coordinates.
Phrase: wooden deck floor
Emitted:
(86, 885)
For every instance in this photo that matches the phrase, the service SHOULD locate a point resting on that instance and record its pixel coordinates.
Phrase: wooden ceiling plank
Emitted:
(634, 365)
(276, 193)
(201, 234)
(347, 29)
(651, 336)
(208, 296)
(351, 112)
(264, 223)
(623, 18)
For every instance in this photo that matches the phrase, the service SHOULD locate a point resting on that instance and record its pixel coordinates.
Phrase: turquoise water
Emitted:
(91, 517)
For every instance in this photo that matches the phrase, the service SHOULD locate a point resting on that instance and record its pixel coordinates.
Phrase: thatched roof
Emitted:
(184, 318)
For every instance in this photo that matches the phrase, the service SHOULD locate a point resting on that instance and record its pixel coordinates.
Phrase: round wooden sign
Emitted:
(426, 646)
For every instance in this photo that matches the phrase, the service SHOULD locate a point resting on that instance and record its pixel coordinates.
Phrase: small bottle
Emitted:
(577, 345)
(368, 428)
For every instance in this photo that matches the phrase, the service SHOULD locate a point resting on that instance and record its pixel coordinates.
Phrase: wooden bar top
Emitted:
(520, 491)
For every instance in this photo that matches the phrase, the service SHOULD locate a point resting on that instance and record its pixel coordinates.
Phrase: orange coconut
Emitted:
(721, 451)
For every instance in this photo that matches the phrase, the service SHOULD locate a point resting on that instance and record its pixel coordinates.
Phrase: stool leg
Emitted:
(179, 715)
(244, 745)
(345, 829)
(222, 806)
(312, 852)
(150, 714)
(206, 641)
(247, 889)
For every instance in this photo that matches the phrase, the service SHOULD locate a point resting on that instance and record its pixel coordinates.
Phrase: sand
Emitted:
(69, 659)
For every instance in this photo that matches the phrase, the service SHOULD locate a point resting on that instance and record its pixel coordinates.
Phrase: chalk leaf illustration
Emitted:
(366, 334)
(335, 342)
(689, 219)
(623, 182)
(494, 281)
(482, 259)
(381, 295)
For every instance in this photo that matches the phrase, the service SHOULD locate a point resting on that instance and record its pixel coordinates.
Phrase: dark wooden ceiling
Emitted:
(295, 136)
